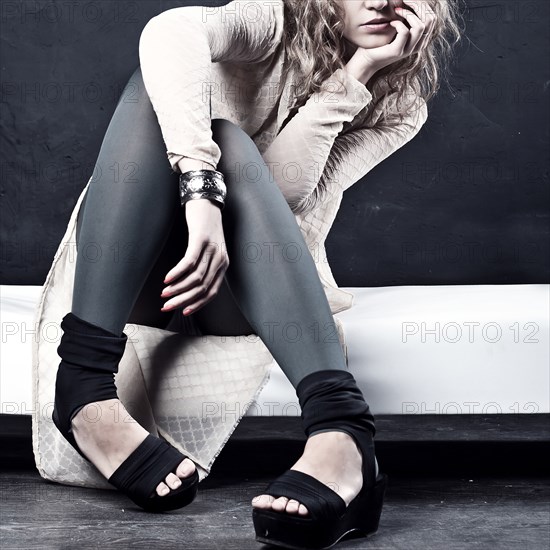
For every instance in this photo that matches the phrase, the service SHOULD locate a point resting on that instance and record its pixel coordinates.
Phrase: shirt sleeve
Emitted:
(379, 144)
(359, 152)
(176, 50)
(297, 156)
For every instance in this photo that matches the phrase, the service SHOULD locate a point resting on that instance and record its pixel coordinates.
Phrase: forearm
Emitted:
(360, 73)
(185, 164)
(199, 206)
(298, 154)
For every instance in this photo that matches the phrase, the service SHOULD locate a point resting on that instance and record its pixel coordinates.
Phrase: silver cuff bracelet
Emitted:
(203, 184)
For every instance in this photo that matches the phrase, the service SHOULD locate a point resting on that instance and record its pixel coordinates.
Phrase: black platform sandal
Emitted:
(90, 358)
(330, 399)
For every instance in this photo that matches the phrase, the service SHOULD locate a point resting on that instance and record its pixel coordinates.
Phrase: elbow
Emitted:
(164, 30)
(149, 37)
(423, 114)
(305, 203)
(416, 121)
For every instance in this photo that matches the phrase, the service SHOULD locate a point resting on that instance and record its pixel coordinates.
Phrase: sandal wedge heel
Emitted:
(330, 399)
(317, 531)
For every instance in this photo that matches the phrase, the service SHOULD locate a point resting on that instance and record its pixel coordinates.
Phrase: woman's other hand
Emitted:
(409, 39)
(197, 277)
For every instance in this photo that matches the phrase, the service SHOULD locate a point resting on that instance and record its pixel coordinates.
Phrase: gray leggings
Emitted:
(132, 230)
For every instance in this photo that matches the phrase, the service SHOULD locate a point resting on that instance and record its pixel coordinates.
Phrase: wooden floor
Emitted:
(424, 513)
(463, 483)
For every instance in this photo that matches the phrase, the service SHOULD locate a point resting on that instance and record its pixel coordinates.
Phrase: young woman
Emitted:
(359, 73)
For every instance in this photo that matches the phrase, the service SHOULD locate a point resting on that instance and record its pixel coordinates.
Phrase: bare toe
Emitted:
(302, 510)
(186, 468)
(263, 501)
(162, 489)
(292, 506)
(172, 480)
(279, 504)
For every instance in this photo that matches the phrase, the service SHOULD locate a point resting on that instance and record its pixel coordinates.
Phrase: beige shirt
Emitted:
(200, 63)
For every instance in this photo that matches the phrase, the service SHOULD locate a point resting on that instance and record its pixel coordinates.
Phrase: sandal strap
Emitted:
(146, 467)
(321, 501)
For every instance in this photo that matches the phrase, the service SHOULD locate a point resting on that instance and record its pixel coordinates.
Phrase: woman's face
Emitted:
(370, 35)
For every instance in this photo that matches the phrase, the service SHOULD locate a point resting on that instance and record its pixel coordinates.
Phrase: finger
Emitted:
(191, 258)
(197, 251)
(417, 7)
(195, 284)
(421, 10)
(400, 41)
(425, 13)
(210, 294)
(417, 28)
(185, 265)
(190, 279)
(199, 293)
(424, 41)
(214, 288)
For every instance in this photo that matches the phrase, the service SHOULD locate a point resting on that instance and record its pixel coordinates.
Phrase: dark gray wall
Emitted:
(466, 202)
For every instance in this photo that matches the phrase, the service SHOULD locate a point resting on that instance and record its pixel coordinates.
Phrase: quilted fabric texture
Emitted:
(191, 390)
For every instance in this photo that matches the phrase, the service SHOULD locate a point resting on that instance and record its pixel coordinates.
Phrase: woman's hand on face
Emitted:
(197, 277)
(407, 41)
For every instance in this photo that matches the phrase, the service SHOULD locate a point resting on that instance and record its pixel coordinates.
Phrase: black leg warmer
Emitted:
(332, 399)
(90, 358)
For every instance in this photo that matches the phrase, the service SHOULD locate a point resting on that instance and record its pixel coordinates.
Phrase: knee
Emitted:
(231, 139)
(134, 91)
(221, 127)
(239, 153)
(224, 131)
(135, 86)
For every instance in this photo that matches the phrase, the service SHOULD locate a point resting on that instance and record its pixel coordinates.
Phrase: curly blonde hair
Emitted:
(315, 48)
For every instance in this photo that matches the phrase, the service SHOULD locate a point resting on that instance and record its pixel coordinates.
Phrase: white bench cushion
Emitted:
(413, 349)
(450, 349)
